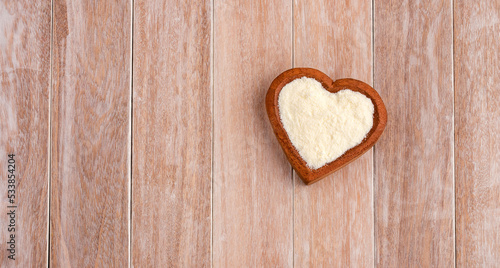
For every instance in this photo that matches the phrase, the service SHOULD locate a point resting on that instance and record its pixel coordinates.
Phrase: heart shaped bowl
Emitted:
(307, 174)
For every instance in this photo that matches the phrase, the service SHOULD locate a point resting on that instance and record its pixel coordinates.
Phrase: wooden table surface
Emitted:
(141, 138)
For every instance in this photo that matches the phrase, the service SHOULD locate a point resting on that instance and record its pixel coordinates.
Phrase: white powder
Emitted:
(322, 126)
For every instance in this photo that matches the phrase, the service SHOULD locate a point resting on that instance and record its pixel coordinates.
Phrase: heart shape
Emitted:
(306, 173)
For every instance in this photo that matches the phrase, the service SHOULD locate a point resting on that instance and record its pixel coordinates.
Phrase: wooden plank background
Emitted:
(477, 133)
(414, 208)
(89, 214)
(151, 116)
(172, 134)
(24, 124)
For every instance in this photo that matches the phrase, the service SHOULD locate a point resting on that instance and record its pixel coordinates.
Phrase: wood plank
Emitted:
(334, 217)
(413, 185)
(477, 125)
(90, 134)
(24, 121)
(172, 134)
(252, 190)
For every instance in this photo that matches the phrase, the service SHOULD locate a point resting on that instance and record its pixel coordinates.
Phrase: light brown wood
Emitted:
(252, 190)
(334, 217)
(414, 158)
(90, 134)
(24, 122)
(477, 132)
(307, 174)
(172, 134)
(196, 136)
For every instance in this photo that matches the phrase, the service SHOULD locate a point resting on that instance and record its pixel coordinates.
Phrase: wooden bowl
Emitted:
(307, 174)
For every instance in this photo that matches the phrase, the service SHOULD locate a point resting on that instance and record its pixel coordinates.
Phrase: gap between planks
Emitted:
(374, 249)
(453, 131)
(131, 94)
(49, 139)
(212, 44)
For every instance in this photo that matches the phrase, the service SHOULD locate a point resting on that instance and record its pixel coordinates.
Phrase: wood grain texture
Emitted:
(299, 165)
(172, 134)
(414, 158)
(90, 134)
(334, 217)
(477, 132)
(252, 190)
(24, 121)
